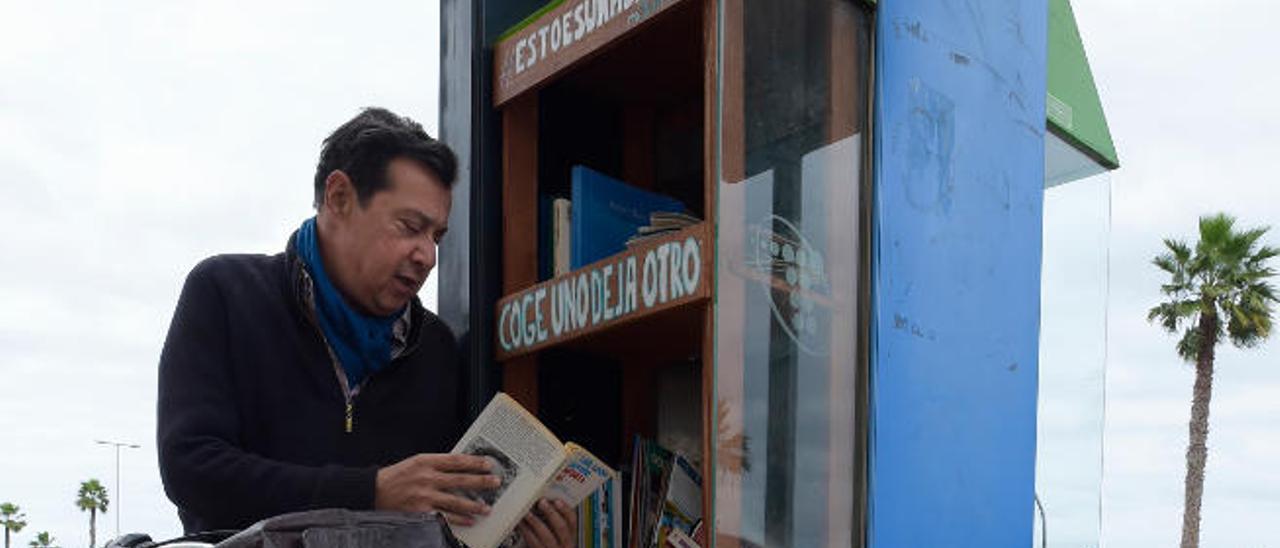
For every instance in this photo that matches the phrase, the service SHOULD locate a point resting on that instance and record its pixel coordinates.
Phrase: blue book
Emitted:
(606, 212)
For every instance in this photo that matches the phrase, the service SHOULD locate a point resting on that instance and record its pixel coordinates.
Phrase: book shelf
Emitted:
(755, 116)
(631, 98)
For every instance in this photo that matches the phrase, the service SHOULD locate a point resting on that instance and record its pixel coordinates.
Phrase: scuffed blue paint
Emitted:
(956, 271)
(930, 144)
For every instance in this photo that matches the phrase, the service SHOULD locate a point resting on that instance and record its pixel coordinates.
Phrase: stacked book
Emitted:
(666, 498)
(606, 212)
(561, 236)
(663, 509)
(602, 216)
(600, 517)
(660, 223)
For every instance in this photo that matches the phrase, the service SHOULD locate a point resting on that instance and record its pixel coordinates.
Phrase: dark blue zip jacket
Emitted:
(252, 418)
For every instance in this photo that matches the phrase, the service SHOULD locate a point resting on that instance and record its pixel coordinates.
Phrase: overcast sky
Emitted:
(1189, 88)
(136, 140)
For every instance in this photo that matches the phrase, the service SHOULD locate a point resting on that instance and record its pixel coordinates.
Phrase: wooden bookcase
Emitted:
(633, 98)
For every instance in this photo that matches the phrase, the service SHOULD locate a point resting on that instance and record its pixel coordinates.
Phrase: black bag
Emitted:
(346, 529)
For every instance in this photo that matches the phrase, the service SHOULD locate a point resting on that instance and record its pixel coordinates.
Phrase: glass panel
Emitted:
(1073, 359)
(792, 128)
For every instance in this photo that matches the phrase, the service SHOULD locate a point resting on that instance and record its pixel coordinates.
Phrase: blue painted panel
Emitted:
(956, 272)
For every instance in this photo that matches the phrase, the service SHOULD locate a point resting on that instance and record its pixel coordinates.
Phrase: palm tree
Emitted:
(92, 497)
(13, 520)
(1219, 288)
(43, 540)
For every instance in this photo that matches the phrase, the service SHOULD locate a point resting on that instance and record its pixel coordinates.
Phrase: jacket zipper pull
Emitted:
(350, 422)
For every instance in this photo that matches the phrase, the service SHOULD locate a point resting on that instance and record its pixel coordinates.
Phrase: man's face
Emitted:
(384, 250)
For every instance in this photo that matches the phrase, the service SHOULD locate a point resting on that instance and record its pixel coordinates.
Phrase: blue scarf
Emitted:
(361, 343)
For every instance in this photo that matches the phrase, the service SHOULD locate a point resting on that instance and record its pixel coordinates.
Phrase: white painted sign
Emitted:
(666, 273)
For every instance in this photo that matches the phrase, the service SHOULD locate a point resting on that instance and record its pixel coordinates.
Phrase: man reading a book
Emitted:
(314, 378)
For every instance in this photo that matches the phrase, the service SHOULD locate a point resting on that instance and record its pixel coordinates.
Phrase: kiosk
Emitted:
(846, 339)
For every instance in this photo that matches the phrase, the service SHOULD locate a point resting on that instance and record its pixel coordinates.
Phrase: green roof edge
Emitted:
(553, 4)
(1073, 108)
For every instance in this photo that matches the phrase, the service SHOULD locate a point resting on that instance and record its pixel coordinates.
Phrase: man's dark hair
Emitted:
(363, 147)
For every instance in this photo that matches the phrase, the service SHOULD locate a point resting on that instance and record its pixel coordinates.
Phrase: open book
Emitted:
(531, 463)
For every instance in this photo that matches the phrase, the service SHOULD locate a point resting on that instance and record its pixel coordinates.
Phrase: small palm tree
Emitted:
(13, 520)
(43, 540)
(92, 497)
(1218, 289)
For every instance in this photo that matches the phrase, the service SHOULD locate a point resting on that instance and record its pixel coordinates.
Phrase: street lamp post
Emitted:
(117, 445)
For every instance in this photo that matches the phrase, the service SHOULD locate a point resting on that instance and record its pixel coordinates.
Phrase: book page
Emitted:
(524, 454)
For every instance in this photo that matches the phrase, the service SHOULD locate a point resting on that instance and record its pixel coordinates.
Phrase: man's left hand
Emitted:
(552, 524)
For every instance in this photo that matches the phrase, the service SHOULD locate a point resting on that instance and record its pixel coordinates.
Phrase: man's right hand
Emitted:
(425, 483)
